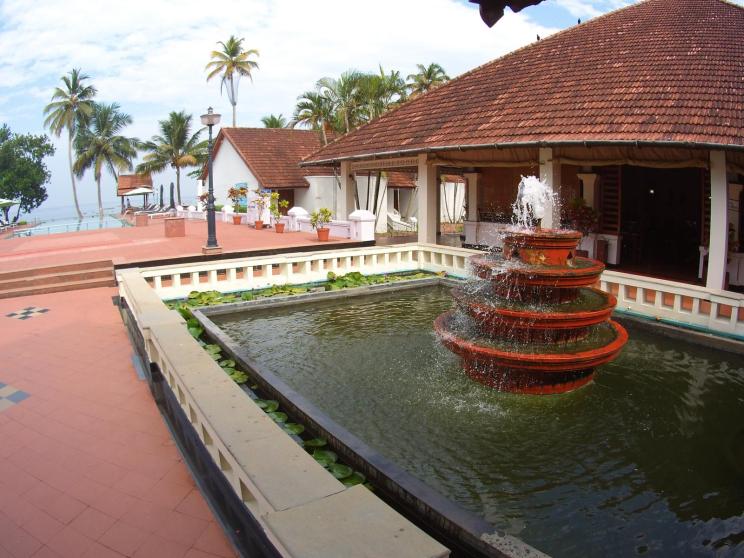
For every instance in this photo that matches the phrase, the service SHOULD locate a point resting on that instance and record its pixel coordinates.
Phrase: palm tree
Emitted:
(344, 95)
(70, 107)
(314, 110)
(100, 144)
(381, 92)
(174, 147)
(272, 121)
(427, 78)
(232, 62)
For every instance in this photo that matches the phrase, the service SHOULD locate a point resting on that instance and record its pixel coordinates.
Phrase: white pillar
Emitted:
(472, 181)
(345, 199)
(427, 201)
(718, 246)
(589, 180)
(550, 172)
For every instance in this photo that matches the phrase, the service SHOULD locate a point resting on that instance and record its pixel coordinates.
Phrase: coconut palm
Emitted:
(315, 111)
(344, 94)
(381, 92)
(273, 121)
(232, 62)
(427, 78)
(70, 105)
(174, 147)
(100, 144)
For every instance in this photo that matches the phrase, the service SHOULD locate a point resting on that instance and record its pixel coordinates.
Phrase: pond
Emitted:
(646, 460)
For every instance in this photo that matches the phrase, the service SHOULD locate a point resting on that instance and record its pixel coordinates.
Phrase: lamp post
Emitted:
(209, 120)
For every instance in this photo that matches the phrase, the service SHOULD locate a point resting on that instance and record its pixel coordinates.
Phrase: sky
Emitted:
(149, 55)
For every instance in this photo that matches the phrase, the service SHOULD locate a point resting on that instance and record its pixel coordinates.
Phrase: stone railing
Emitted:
(300, 507)
(284, 269)
(678, 303)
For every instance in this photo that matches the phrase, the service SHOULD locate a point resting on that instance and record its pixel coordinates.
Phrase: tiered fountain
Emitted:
(531, 320)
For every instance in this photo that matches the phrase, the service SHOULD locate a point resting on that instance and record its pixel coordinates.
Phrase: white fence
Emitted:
(718, 311)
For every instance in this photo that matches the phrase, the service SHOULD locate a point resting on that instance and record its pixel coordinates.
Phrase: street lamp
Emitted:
(209, 120)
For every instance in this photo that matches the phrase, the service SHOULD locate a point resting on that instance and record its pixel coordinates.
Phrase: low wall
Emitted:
(300, 508)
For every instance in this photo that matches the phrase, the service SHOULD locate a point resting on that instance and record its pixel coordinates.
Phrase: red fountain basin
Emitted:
(537, 282)
(521, 372)
(548, 247)
(534, 326)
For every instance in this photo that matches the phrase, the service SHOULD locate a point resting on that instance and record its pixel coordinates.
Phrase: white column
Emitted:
(550, 172)
(472, 181)
(718, 246)
(589, 180)
(427, 201)
(345, 199)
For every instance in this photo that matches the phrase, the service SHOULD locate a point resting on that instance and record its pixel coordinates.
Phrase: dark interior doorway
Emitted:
(661, 221)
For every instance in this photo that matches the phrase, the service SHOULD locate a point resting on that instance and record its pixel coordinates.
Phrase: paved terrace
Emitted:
(142, 244)
(87, 465)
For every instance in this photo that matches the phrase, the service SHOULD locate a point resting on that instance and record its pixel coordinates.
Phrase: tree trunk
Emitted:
(72, 176)
(233, 100)
(100, 203)
(178, 185)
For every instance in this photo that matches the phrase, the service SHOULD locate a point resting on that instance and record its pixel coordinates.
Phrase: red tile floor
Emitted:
(141, 244)
(87, 465)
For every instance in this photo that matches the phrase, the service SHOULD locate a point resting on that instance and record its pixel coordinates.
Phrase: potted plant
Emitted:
(203, 197)
(275, 207)
(260, 203)
(235, 195)
(319, 219)
(582, 218)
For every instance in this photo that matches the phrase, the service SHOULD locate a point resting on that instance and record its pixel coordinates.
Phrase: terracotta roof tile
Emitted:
(657, 71)
(273, 154)
(128, 182)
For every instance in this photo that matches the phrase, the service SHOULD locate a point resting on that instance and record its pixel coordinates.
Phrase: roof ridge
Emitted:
(235, 128)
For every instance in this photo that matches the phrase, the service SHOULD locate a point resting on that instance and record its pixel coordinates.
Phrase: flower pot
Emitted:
(323, 233)
(258, 224)
(279, 227)
(237, 219)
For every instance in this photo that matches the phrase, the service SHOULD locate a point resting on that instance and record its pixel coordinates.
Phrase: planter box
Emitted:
(141, 219)
(175, 227)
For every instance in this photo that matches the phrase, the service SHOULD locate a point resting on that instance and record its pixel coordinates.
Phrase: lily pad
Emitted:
(278, 416)
(193, 322)
(294, 428)
(314, 443)
(355, 478)
(238, 377)
(196, 332)
(212, 348)
(340, 471)
(325, 457)
(228, 363)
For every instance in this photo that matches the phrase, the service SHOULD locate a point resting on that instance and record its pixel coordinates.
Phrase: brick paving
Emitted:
(141, 244)
(87, 466)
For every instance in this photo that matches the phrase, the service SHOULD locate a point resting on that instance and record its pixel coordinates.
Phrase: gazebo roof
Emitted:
(664, 72)
(129, 182)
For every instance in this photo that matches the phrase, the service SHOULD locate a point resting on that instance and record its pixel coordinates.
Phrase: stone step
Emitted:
(84, 266)
(59, 287)
(55, 278)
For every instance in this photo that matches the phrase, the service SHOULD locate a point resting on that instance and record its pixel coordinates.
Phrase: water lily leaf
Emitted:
(325, 457)
(185, 312)
(196, 332)
(355, 478)
(314, 443)
(294, 428)
(238, 377)
(278, 416)
(193, 322)
(369, 487)
(212, 348)
(268, 405)
(194, 294)
(253, 386)
(228, 363)
(340, 471)
(215, 356)
(247, 296)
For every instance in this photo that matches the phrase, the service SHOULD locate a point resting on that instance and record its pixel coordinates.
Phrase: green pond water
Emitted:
(646, 460)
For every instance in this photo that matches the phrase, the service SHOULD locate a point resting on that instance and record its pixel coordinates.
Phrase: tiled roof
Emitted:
(399, 179)
(657, 71)
(128, 182)
(273, 154)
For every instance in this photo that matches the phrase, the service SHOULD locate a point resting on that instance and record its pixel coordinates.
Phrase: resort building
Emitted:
(269, 159)
(639, 113)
